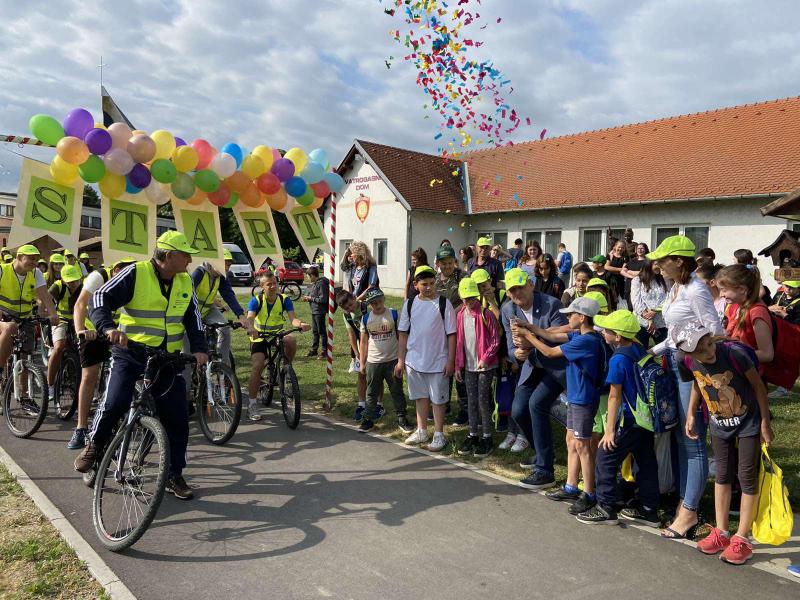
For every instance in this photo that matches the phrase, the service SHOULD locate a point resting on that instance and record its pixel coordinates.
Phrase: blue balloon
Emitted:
(295, 186)
(235, 151)
(334, 181)
(313, 173)
(130, 188)
(318, 155)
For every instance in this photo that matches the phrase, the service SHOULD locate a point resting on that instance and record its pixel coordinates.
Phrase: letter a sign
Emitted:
(200, 224)
(45, 207)
(258, 230)
(129, 227)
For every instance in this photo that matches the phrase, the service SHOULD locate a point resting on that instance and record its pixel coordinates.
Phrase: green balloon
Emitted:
(307, 198)
(46, 129)
(164, 171)
(232, 200)
(207, 181)
(183, 186)
(92, 170)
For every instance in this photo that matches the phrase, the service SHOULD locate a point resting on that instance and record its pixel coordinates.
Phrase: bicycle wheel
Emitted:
(219, 415)
(123, 510)
(24, 415)
(292, 290)
(290, 396)
(65, 401)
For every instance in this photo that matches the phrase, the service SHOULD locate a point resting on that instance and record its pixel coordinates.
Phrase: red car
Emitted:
(291, 271)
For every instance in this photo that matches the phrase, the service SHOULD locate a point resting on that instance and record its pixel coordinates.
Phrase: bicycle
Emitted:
(132, 475)
(24, 411)
(280, 372)
(292, 289)
(216, 392)
(68, 379)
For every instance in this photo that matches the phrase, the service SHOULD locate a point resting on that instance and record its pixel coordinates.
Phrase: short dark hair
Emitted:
(517, 241)
(343, 296)
(426, 274)
(421, 256)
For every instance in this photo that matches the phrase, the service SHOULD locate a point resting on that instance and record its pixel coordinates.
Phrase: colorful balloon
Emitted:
(313, 173)
(120, 135)
(223, 165)
(318, 155)
(185, 158)
(283, 169)
(307, 198)
(46, 129)
(98, 141)
(251, 196)
(130, 188)
(99, 126)
(205, 153)
(165, 144)
(334, 181)
(238, 182)
(93, 170)
(221, 196)
(253, 166)
(317, 203)
(232, 201)
(78, 123)
(72, 150)
(206, 180)
(118, 161)
(142, 148)
(298, 158)
(321, 189)
(112, 185)
(157, 193)
(235, 151)
(163, 171)
(265, 154)
(139, 176)
(296, 186)
(180, 142)
(290, 205)
(63, 172)
(268, 183)
(198, 198)
(277, 200)
(183, 186)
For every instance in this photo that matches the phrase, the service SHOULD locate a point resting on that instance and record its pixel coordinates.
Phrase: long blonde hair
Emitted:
(361, 249)
(742, 276)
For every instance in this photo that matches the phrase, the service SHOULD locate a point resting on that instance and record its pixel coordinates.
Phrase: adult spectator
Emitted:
(486, 262)
(517, 252)
(615, 261)
(86, 262)
(547, 279)
(630, 245)
(419, 258)
(317, 298)
(630, 271)
(465, 255)
(364, 274)
(648, 292)
(564, 264)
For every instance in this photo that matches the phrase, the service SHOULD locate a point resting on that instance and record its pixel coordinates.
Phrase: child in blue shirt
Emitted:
(584, 351)
(622, 435)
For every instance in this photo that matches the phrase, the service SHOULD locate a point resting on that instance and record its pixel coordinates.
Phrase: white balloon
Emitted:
(223, 165)
(157, 193)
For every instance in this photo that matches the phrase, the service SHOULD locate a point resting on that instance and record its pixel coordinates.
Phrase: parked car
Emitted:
(290, 271)
(241, 271)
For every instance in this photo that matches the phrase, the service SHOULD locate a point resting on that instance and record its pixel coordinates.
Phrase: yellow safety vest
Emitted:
(15, 299)
(206, 292)
(149, 317)
(268, 319)
(62, 302)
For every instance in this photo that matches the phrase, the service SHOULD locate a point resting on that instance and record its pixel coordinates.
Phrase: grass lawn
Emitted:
(311, 375)
(34, 561)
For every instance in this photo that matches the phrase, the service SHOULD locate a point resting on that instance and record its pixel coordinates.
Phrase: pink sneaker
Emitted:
(738, 553)
(714, 542)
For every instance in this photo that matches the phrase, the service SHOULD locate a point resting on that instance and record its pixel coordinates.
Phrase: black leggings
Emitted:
(725, 454)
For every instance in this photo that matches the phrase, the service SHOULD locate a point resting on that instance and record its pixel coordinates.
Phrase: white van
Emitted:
(241, 272)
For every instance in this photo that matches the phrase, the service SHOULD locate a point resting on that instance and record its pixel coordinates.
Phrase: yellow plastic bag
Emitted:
(774, 519)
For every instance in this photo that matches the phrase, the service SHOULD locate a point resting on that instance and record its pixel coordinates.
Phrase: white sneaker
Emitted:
(351, 368)
(420, 436)
(520, 444)
(508, 442)
(355, 366)
(778, 392)
(253, 413)
(438, 443)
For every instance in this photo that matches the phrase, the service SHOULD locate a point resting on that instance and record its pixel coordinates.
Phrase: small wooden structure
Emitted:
(785, 255)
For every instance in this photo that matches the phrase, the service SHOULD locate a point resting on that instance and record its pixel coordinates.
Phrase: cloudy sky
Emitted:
(311, 72)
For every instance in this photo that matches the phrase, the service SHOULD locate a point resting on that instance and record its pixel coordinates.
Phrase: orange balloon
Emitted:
(238, 182)
(278, 200)
(251, 196)
(198, 198)
(317, 203)
(72, 150)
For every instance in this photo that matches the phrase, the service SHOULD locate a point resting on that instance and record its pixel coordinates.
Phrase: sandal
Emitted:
(674, 535)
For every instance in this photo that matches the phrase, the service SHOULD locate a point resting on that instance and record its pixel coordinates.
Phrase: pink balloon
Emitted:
(118, 161)
(205, 153)
(120, 135)
(142, 148)
(276, 155)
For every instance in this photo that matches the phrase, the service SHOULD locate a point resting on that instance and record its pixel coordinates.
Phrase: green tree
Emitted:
(90, 196)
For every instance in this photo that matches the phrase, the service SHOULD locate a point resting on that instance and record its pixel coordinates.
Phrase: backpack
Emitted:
(365, 318)
(410, 301)
(729, 345)
(600, 382)
(656, 403)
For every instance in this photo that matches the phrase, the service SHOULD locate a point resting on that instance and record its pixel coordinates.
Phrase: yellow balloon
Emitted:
(165, 143)
(184, 158)
(298, 157)
(62, 171)
(253, 166)
(265, 154)
(100, 126)
(112, 185)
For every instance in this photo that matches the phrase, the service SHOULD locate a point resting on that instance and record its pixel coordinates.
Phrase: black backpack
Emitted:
(410, 301)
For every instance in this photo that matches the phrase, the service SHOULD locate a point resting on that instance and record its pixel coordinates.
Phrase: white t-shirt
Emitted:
(470, 342)
(93, 282)
(382, 345)
(84, 270)
(690, 302)
(528, 313)
(427, 339)
(37, 274)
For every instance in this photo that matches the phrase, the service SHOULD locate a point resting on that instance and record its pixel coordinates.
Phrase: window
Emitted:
(592, 243)
(380, 250)
(6, 210)
(497, 237)
(85, 221)
(532, 236)
(95, 222)
(663, 233)
(697, 233)
(343, 246)
(161, 229)
(551, 241)
(796, 227)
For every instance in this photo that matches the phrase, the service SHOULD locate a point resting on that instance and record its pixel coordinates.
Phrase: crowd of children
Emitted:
(585, 347)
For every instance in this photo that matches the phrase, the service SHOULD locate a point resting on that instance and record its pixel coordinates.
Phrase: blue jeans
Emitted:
(531, 411)
(692, 459)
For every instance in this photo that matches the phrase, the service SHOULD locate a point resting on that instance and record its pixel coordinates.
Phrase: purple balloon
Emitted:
(99, 141)
(78, 123)
(139, 176)
(179, 141)
(283, 169)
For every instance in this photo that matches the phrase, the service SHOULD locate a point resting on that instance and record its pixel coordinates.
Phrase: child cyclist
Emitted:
(267, 313)
(623, 435)
(726, 379)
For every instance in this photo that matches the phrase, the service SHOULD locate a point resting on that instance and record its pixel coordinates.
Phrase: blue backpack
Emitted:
(656, 404)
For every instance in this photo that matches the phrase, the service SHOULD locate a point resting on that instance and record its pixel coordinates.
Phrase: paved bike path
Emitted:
(324, 512)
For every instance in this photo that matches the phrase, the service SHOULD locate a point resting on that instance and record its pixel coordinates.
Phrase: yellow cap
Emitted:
(483, 242)
(84, 255)
(622, 322)
(71, 273)
(226, 254)
(128, 260)
(515, 277)
(28, 250)
(792, 284)
(480, 276)
(675, 245)
(599, 298)
(468, 288)
(424, 271)
(57, 259)
(596, 281)
(175, 240)
(68, 252)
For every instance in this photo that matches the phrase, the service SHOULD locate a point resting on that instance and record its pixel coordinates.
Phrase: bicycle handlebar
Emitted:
(231, 324)
(281, 334)
(176, 358)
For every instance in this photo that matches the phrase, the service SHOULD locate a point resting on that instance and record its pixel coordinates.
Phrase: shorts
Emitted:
(60, 332)
(580, 420)
(433, 386)
(93, 353)
(261, 346)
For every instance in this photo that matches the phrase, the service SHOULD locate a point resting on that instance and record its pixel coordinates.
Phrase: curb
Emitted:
(97, 566)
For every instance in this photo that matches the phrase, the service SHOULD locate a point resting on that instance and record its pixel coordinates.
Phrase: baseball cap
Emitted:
(675, 245)
(41, 260)
(445, 252)
(57, 259)
(598, 258)
(71, 273)
(68, 252)
(622, 322)
(480, 276)
(583, 306)
(226, 254)
(687, 334)
(128, 260)
(175, 240)
(84, 255)
(373, 294)
(484, 241)
(468, 288)
(792, 284)
(596, 281)
(424, 271)
(515, 277)
(28, 250)
(599, 298)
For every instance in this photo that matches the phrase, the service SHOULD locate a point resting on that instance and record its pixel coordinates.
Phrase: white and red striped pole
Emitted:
(331, 306)
(20, 139)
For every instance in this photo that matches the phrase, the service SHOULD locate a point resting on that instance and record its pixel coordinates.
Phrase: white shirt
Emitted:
(427, 340)
(93, 282)
(690, 302)
(84, 270)
(37, 274)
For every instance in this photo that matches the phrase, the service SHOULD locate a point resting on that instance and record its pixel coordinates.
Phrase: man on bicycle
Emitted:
(64, 292)
(93, 352)
(21, 283)
(157, 306)
(267, 312)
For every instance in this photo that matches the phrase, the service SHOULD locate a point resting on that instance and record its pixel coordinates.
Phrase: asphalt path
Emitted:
(326, 512)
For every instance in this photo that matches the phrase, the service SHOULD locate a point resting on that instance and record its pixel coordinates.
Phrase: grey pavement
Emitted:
(325, 512)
